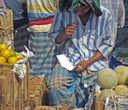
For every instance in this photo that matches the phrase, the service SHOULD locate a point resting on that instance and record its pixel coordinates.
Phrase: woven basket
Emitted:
(6, 19)
(6, 66)
(6, 35)
(6, 25)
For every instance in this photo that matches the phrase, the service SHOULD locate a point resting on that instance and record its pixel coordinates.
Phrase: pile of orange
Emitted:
(8, 55)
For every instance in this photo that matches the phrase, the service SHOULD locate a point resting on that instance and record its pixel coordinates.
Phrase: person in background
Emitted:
(20, 24)
(2, 4)
(19, 12)
(85, 30)
(122, 33)
(41, 14)
(118, 10)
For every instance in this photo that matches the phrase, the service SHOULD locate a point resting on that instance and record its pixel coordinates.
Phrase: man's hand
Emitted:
(70, 29)
(81, 66)
(67, 33)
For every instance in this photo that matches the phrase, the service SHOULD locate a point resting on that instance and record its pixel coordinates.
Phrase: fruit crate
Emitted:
(116, 103)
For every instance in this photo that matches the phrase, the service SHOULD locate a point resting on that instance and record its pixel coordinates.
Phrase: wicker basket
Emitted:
(118, 103)
(6, 66)
(6, 36)
(6, 19)
(6, 25)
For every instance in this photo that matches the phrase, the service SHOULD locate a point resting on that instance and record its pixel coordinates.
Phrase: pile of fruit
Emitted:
(113, 83)
(8, 55)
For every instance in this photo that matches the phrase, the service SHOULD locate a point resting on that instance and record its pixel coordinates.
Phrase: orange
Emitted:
(6, 53)
(13, 53)
(3, 47)
(12, 60)
(2, 60)
(19, 56)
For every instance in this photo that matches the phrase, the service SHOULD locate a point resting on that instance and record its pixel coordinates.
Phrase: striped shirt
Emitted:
(86, 40)
(39, 9)
(118, 10)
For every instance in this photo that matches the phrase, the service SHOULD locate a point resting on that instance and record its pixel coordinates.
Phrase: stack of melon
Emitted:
(113, 82)
(8, 55)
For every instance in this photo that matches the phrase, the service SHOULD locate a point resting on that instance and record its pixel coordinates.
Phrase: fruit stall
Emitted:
(113, 82)
(18, 90)
(21, 91)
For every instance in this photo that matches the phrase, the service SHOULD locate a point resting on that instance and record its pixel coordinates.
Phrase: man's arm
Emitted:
(84, 64)
(121, 13)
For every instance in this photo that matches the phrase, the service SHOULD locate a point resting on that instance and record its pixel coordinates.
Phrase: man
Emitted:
(2, 4)
(85, 30)
(20, 24)
(19, 12)
(41, 14)
(122, 33)
(118, 10)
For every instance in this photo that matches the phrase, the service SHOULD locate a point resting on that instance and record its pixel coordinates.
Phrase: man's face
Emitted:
(82, 10)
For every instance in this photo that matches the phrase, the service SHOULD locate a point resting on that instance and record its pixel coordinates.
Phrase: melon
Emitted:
(121, 90)
(107, 78)
(122, 74)
(107, 93)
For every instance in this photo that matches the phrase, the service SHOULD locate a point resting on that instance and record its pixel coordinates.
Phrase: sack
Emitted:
(119, 57)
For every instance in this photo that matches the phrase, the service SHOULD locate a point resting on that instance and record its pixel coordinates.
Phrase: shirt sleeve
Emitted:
(56, 28)
(108, 38)
(121, 14)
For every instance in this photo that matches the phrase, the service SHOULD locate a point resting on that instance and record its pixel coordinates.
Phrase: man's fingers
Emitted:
(71, 27)
(79, 69)
(69, 33)
(74, 24)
